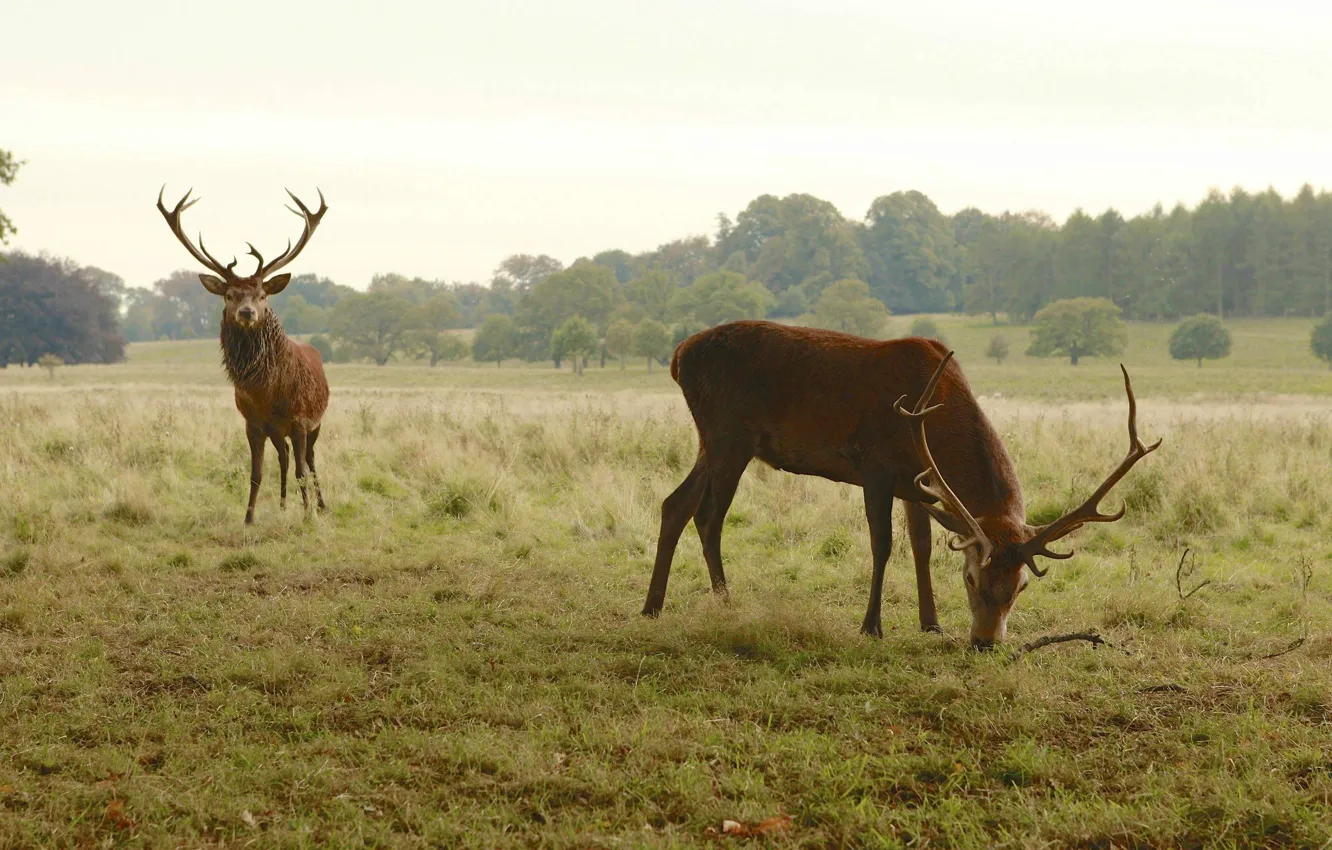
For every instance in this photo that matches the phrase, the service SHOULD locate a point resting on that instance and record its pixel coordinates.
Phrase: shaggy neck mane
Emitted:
(254, 357)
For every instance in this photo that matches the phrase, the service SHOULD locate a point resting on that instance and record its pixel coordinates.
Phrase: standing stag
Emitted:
(822, 403)
(280, 386)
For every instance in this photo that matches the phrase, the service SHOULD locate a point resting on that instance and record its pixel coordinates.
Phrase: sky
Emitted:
(446, 136)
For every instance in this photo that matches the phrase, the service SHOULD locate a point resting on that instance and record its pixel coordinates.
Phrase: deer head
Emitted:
(246, 298)
(996, 549)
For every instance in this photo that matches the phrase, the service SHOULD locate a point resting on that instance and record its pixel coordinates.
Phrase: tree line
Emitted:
(798, 258)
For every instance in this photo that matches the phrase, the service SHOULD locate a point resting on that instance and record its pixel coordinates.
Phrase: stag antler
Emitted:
(311, 222)
(1089, 511)
(201, 253)
(939, 488)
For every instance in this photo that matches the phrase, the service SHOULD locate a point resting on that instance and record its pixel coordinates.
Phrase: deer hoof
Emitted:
(872, 630)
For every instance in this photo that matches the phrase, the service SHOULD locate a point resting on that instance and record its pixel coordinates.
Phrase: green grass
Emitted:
(453, 657)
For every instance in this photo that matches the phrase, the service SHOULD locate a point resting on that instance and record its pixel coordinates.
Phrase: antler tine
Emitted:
(259, 258)
(200, 253)
(1089, 511)
(231, 265)
(312, 220)
(938, 488)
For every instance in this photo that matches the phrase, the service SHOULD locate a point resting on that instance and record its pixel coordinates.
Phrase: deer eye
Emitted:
(970, 579)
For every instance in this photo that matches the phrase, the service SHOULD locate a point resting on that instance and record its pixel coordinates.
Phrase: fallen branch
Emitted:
(1295, 644)
(1179, 577)
(1091, 637)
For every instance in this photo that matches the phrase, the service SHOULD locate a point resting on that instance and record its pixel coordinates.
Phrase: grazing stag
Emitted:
(280, 386)
(822, 403)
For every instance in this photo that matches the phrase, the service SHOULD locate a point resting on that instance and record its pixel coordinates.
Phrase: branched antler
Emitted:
(1088, 511)
(200, 253)
(312, 220)
(938, 488)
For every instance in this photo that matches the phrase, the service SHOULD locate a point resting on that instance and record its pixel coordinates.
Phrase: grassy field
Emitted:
(452, 657)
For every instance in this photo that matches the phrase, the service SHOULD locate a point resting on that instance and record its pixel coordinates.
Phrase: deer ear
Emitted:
(215, 285)
(276, 283)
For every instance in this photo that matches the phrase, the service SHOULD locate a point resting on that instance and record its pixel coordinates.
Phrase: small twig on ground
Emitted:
(1295, 644)
(1167, 688)
(1091, 637)
(1306, 576)
(1179, 576)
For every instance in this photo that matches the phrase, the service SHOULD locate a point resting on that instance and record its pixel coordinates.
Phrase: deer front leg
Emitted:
(918, 529)
(298, 446)
(256, 439)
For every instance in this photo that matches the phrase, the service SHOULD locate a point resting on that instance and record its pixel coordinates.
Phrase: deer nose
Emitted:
(246, 313)
(982, 644)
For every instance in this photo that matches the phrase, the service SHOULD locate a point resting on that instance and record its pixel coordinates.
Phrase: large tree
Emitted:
(721, 296)
(652, 340)
(575, 339)
(848, 306)
(415, 289)
(428, 327)
(652, 291)
(185, 310)
(370, 326)
(494, 340)
(798, 240)
(520, 273)
(52, 307)
(620, 339)
(584, 289)
(912, 252)
(1077, 328)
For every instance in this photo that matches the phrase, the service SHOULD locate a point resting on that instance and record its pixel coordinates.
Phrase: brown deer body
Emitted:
(280, 386)
(823, 403)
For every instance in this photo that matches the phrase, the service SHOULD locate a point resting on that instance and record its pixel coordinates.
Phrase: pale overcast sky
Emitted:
(448, 135)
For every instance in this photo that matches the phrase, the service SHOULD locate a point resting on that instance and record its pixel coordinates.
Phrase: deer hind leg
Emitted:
(711, 515)
(676, 511)
(918, 530)
(280, 445)
(256, 440)
(310, 462)
(879, 513)
(298, 447)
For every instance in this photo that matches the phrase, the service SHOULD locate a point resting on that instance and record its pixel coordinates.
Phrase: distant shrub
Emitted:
(1321, 341)
(50, 362)
(998, 348)
(1199, 338)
